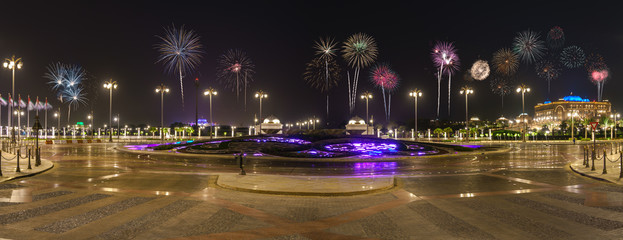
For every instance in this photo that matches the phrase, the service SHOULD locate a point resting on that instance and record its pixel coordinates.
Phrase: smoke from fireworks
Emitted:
(547, 70)
(359, 51)
(529, 46)
(555, 38)
(572, 57)
(505, 61)
(180, 51)
(447, 61)
(480, 70)
(384, 77)
(235, 70)
(315, 74)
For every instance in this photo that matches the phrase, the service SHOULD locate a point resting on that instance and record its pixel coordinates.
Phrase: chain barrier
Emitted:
(8, 159)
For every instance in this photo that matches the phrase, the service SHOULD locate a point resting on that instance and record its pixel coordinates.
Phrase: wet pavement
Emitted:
(96, 192)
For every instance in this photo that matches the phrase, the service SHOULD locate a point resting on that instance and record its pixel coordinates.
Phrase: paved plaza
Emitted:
(97, 192)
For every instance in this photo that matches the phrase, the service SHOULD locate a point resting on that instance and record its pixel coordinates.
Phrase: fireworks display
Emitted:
(528, 46)
(235, 70)
(446, 59)
(501, 86)
(595, 62)
(480, 70)
(547, 70)
(67, 80)
(359, 51)
(325, 50)
(555, 38)
(505, 61)
(180, 51)
(384, 77)
(572, 57)
(315, 73)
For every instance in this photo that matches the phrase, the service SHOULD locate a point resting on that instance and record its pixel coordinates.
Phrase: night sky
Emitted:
(116, 41)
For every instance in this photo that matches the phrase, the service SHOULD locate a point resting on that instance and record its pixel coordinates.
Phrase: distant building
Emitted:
(558, 111)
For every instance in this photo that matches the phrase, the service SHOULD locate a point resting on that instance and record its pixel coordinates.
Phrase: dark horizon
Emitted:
(116, 41)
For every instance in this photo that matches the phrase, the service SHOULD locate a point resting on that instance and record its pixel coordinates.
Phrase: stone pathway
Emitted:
(613, 167)
(9, 166)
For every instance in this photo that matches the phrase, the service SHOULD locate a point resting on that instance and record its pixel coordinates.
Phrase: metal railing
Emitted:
(591, 153)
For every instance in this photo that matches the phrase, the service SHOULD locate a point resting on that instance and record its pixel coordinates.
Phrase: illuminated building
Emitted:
(556, 111)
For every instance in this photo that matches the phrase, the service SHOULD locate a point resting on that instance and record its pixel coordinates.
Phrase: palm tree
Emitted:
(448, 131)
(437, 131)
(605, 122)
(586, 122)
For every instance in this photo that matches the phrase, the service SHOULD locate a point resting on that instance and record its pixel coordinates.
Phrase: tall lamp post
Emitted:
(57, 115)
(367, 96)
(572, 115)
(110, 85)
(90, 117)
(210, 92)
(467, 91)
(415, 94)
(162, 89)
(118, 128)
(261, 95)
(523, 89)
(11, 64)
(612, 130)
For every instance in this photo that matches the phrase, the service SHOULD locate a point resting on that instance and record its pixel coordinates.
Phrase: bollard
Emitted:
(610, 148)
(29, 167)
(38, 157)
(593, 159)
(0, 162)
(621, 162)
(17, 169)
(585, 162)
(605, 171)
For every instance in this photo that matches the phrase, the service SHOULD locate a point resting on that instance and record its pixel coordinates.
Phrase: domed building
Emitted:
(271, 125)
(356, 126)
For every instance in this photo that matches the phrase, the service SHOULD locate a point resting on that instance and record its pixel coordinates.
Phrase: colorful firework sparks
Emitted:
(529, 46)
(547, 70)
(555, 38)
(56, 75)
(325, 48)
(384, 77)
(480, 70)
(572, 57)
(316, 70)
(505, 61)
(595, 62)
(180, 51)
(599, 75)
(235, 70)
(447, 61)
(360, 50)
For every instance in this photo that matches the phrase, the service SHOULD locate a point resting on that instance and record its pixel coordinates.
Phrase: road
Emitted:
(96, 192)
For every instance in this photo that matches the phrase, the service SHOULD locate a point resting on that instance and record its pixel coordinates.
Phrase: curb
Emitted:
(589, 176)
(29, 174)
(316, 194)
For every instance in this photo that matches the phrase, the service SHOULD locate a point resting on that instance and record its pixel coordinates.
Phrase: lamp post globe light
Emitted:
(466, 91)
(211, 92)
(415, 94)
(110, 85)
(367, 96)
(162, 89)
(12, 64)
(261, 95)
(90, 117)
(613, 129)
(523, 89)
(57, 115)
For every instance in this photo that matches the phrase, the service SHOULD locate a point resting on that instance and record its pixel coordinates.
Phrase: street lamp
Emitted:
(467, 91)
(523, 89)
(11, 64)
(612, 130)
(415, 94)
(90, 117)
(162, 89)
(57, 115)
(210, 92)
(110, 85)
(18, 113)
(366, 96)
(261, 95)
(118, 128)
(572, 115)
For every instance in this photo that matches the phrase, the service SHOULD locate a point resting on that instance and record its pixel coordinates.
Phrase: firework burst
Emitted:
(555, 38)
(359, 51)
(447, 61)
(180, 51)
(501, 86)
(547, 70)
(505, 61)
(384, 77)
(480, 70)
(598, 72)
(326, 50)
(528, 46)
(235, 70)
(595, 62)
(572, 57)
(74, 96)
(315, 74)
